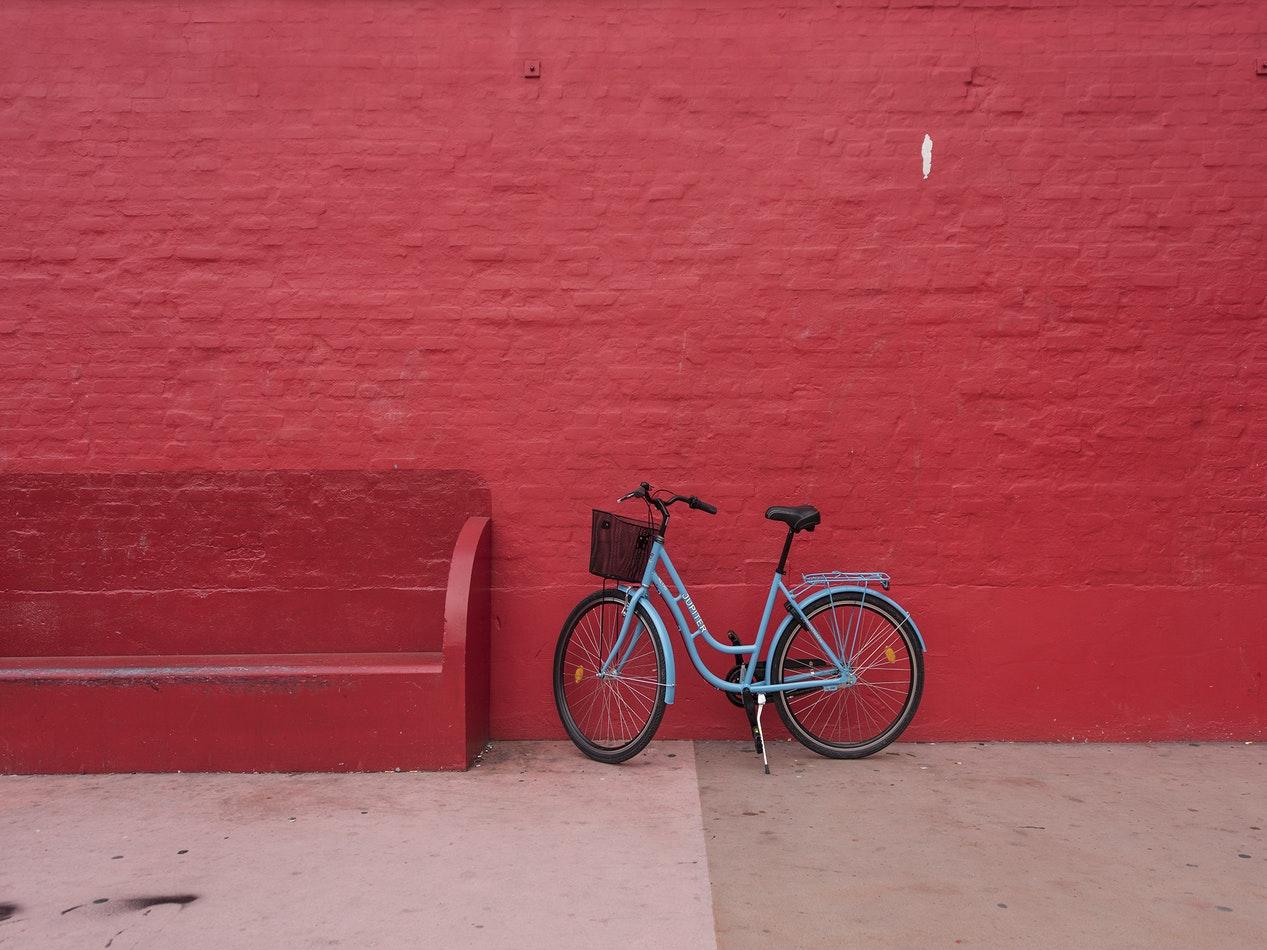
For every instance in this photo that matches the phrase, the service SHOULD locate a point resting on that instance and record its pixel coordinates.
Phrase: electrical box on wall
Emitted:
(532, 69)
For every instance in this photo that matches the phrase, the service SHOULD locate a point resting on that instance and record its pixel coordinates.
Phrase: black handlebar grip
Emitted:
(703, 506)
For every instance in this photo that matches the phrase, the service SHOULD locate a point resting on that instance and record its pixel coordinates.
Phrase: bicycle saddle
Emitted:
(797, 517)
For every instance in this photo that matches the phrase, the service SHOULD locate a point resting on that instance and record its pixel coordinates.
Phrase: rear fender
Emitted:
(806, 603)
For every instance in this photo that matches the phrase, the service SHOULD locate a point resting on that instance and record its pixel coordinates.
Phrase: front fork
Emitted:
(614, 664)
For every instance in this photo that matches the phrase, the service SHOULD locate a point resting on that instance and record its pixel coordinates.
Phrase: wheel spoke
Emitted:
(879, 656)
(611, 712)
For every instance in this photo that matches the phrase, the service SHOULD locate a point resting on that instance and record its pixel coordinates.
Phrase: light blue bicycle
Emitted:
(845, 666)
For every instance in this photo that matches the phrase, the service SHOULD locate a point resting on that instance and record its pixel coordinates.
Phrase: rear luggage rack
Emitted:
(836, 578)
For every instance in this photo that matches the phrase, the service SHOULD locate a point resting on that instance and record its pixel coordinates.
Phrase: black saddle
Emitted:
(797, 517)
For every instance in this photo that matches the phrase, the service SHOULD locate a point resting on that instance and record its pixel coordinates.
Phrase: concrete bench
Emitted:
(243, 621)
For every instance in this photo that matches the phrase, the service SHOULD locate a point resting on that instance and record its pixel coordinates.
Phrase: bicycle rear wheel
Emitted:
(610, 718)
(850, 722)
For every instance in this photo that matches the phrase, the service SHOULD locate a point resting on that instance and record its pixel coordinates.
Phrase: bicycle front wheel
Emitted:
(850, 722)
(610, 717)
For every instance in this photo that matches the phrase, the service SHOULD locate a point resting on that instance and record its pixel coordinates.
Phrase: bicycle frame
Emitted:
(839, 674)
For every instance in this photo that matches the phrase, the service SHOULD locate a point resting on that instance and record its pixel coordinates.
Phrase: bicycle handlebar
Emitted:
(644, 492)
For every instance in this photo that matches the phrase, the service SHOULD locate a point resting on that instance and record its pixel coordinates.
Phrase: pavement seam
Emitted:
(708, 866)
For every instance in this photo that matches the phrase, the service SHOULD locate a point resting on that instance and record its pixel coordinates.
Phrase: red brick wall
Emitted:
(699, 250)
(229, 562)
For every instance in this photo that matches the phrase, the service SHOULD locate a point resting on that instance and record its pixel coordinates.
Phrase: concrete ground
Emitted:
(689, 845)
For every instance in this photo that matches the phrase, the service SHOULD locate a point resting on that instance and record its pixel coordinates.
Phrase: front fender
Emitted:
(868, 593)
(639, 598)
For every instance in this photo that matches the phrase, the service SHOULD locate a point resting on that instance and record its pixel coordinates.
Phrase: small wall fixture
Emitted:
(532, 69)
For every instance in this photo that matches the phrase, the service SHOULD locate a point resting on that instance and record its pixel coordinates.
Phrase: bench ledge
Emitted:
(215, 666)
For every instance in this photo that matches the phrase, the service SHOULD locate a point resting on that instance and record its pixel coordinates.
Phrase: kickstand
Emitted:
(760, 735)
(753, 704)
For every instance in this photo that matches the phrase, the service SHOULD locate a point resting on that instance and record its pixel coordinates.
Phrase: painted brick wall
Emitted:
(699, 250)
(229, 562)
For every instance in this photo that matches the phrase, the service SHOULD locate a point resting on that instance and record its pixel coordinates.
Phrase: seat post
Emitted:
(787, 546)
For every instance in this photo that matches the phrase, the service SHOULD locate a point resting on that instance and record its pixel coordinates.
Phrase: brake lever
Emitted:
(642, 491)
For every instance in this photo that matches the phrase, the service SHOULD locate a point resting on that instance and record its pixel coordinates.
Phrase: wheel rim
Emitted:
(611, 711)
(880, 657)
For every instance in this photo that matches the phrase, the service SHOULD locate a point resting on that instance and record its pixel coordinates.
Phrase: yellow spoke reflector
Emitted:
(888, 652)
(580, 671)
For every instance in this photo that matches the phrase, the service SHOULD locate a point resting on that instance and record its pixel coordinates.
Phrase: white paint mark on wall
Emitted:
(926, 150)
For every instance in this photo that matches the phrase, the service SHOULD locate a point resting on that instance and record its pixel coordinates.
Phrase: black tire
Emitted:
(890, 625)
(592, 618)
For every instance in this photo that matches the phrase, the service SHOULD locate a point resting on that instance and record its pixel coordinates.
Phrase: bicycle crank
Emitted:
(735, 675)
